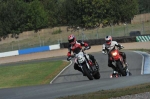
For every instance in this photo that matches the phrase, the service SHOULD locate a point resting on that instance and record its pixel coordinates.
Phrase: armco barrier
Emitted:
(143, 38)
(30, 50)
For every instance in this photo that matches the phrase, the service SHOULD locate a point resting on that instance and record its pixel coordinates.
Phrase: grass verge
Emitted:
(30, 74)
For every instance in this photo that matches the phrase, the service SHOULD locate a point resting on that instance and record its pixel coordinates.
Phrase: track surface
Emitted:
(71, 82)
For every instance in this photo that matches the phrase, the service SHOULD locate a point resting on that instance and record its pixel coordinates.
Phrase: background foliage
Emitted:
(17, 16)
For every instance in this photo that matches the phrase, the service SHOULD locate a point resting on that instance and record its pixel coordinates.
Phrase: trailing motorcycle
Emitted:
(88, 67)
(119, 63)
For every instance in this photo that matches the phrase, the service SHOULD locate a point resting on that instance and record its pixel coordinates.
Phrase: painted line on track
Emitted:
(145, 62)
(61, 72)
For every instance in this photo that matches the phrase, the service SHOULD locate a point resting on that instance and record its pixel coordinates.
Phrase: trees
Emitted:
(144, 6)
(22, 15)
(36, 16)
(91, 13)
(17, 16)
(12, 17)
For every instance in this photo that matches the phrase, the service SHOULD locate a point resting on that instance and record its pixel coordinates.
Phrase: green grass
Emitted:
(30, 74)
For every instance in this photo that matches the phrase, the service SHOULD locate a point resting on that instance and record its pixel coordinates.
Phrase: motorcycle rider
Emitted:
(110, 45)
(76, 46)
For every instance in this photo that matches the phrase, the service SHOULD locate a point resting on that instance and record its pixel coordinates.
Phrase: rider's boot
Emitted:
(125, 62)
(115, 73)
(127, 70)
(125, 65)
(96, 64)
(94, 61)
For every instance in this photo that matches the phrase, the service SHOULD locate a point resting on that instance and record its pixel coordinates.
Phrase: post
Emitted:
(39, 38)
(124, 29)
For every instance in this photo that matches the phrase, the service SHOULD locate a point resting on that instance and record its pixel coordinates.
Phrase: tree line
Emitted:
(17, 16)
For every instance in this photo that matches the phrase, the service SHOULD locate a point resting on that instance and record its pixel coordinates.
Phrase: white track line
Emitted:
(61, 72)
(139, 52)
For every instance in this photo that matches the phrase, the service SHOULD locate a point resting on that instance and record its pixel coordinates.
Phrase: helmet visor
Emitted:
(70, 41)
(108, 41)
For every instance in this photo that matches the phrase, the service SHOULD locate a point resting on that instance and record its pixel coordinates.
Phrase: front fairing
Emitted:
(80, 57)
(115, 55)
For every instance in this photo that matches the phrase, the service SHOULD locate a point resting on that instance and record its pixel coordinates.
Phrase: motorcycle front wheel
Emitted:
(120, 67)
(87, 72)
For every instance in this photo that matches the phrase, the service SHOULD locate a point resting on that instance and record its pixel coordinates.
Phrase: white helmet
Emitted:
(108, 40)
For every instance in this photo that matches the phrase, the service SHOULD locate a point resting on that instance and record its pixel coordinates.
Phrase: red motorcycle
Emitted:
(119, 63)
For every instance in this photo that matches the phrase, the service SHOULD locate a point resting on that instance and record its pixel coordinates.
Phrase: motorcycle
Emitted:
(119, 63)
(88, 67)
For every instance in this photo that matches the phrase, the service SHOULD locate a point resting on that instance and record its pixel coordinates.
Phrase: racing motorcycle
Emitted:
(119, 63)
(88, 67)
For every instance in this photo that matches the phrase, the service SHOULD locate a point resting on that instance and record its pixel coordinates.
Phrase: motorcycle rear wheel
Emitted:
(97, 75)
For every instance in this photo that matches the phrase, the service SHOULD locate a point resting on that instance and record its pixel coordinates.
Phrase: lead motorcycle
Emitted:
(85, 63)
(119, 63)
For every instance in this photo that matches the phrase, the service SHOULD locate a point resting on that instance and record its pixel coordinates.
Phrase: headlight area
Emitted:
(114, 53)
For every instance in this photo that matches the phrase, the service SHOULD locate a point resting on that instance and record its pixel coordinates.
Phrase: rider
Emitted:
(108, 46)
(76, 46)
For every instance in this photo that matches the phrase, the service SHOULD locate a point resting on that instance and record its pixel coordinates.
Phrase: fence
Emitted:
(58, 35)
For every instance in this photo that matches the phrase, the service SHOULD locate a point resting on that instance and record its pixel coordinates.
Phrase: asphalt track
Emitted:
(71, 82)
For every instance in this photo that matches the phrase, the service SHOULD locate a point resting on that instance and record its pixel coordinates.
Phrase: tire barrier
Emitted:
(143, 38)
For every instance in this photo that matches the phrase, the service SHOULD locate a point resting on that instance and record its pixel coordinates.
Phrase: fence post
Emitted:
(39, 38)
(142, 27)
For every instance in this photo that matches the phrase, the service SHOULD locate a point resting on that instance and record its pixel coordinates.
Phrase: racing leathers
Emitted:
(77, 47)
(106, 48)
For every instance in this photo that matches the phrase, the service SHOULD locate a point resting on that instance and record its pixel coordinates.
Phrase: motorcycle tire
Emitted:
(120, 67)
(87, 72)
(97, 75)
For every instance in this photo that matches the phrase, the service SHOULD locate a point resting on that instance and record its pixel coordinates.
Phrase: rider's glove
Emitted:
(103, 52)
(69, 58)
(86, 48)
(121, 47)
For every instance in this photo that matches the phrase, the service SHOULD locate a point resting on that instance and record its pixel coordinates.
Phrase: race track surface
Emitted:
(71, 82)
